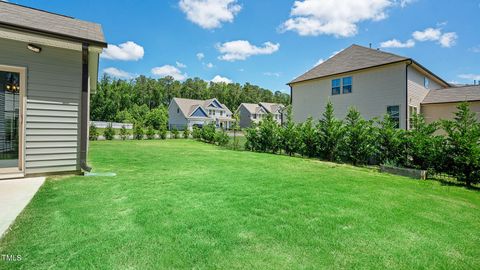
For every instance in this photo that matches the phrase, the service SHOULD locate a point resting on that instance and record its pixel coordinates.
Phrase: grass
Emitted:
(184, 204)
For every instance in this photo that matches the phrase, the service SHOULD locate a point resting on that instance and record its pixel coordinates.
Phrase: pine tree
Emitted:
(330, 133)
(358, 145)
(290, 135)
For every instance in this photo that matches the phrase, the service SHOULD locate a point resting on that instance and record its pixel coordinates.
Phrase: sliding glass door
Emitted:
(10, 109)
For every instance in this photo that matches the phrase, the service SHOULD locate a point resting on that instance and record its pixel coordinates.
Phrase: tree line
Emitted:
(455, 150)
(144, 100)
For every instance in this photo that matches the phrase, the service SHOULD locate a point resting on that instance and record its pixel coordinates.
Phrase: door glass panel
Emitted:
(9, 118)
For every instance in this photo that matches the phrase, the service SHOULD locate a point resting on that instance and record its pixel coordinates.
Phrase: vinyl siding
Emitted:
(52, 105)
(416, 89)
(372, 91)
(176, 118)
(435, 112)
(245, 117)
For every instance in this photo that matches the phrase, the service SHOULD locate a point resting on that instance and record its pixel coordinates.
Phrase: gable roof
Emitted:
(18, 17)
(356, 58)
(454, 94)
(188, 106)
(253, 108)
(352, 58)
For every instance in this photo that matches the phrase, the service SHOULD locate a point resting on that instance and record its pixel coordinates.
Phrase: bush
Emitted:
(174, 133)
(208, 133)
(221, 138)
(93, 133)
(462, 146)
(186, 133)
(268, 135)
(157, 118)
(389, 141)
(308, 139)
(150, 133)
(252, 138)
(358, 144)
(109, 133)
(162, 133)
(290, 135)
(123, 133)
(330, 133)
(138, 132)
(196, 133)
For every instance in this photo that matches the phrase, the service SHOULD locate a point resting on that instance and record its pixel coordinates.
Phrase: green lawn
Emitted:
(184, 204)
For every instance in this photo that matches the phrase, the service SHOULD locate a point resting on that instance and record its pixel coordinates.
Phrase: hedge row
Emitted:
(448, 146)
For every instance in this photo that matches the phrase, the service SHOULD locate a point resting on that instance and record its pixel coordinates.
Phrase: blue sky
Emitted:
(269, 42)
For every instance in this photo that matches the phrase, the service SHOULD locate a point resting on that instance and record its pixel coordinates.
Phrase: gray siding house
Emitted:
(187, 113)
(250, 113)
(376, 83)
(48, 67)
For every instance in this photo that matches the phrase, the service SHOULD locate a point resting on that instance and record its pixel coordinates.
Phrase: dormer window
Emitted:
(426, 82)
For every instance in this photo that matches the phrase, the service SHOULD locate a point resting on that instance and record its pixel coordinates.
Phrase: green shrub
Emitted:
(196, 133)
(162, 133)
(290, 135)
(174, 133)
(109, 133)
(330, 133)
(186, 133)
(462, 146)
(358, 144)
(208, 133)
(309, 139)
(389, 141)
(123, 133)
(221, 138)
(157, 118)
(268, 135)
(235, 127)
(138, 132)
(93, 133)
(252, 138)
(150, 133)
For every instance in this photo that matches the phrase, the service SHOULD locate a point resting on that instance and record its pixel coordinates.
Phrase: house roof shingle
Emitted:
(31, 19)
(188, 106)
(453, 94)
(352, 58)
(268, 107)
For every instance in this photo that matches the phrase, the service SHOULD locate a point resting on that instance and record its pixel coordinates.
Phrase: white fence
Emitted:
(101, 124)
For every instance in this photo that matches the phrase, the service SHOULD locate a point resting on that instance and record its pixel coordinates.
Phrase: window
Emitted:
(426, 82)
(412, 110)
(221, 113)
(347, 85)
(178, 110)
(254, 116)
(394, 112)
(336, 87)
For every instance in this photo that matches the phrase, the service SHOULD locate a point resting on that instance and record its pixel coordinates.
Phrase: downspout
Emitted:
(84, 117)
(406, 93)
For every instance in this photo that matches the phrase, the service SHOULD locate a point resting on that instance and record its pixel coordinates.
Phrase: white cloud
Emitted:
(404, 3)
(128, 51)
(272, 74)
(180, 65)
(210, 14)
(209, 65)
(335, 17)
(470, 76)
(242, 49)
(448, 40)
(220, 79)
(445, 40)
(429, 34)
(168, 70)
(475, 49)
(200, 56)
(118, 73)
(394, 43)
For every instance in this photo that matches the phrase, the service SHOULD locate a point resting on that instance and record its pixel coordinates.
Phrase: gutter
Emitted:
(406, 92)
(84, 113)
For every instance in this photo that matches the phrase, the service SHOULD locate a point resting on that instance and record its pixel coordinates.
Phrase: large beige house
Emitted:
(187, 113)
(376, 83)
(250, 113)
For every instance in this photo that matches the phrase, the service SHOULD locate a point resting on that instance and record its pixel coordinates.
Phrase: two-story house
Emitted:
(376, 83)
(253, 113)
(187, 113)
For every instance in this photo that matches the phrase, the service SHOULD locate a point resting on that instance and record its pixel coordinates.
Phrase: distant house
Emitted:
(253, 113)
(48, 68)
(376, 83)
(187, 113)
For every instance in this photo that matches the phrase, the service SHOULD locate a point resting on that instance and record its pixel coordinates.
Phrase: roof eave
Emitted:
(53, 34)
